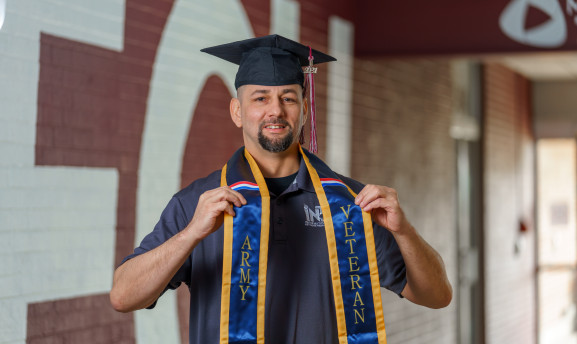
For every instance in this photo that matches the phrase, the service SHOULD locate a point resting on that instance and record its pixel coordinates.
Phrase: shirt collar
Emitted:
(303, 180)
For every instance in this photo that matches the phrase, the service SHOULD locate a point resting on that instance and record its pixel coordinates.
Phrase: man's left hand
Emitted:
(427, 281)
(383, 204)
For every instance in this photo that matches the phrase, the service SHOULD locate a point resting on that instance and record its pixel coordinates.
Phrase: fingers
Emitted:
(379, 203)
(223, 193)
(223, 207)
(376, 196)
(212, 205)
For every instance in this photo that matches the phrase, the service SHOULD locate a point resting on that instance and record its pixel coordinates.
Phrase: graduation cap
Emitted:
(269, 61)
(273, 61)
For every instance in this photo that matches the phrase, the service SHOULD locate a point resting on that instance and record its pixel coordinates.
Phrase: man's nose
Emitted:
(275, 107)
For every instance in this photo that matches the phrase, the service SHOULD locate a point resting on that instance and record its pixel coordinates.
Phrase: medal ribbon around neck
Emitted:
(351, 250)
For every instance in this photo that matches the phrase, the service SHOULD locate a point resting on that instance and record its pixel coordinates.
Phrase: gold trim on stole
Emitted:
(371, 253)
(263, 253)
(263, 256)
(375, 280)
(332, 247)
(226, 270)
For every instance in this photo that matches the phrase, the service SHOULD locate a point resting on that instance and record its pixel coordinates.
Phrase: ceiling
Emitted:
(543, 67)
(537, 38)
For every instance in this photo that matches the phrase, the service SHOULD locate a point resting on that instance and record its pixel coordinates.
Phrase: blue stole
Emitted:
(351, 250)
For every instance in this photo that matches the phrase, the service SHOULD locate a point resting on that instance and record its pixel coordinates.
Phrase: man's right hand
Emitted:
(141, 280)
(210, 210)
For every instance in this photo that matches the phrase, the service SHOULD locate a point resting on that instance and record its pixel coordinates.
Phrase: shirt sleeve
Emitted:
(392, 269)
(172, 220)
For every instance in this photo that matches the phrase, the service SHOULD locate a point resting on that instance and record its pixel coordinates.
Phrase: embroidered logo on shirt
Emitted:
(314, 218)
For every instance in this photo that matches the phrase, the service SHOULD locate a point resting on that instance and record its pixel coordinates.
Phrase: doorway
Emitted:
(556, 241)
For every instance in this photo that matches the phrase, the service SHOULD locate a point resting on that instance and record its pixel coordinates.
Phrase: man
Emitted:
(272, 272)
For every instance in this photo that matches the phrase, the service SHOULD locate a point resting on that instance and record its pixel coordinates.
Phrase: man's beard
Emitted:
(276, 145)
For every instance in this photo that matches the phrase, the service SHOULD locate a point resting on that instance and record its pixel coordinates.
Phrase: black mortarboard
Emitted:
(269, 61)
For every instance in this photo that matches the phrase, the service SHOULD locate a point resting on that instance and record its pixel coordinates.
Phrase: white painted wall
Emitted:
(340, 94)
(57, 224)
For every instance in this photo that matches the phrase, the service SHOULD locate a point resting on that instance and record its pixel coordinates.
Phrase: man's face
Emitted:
(271, 116)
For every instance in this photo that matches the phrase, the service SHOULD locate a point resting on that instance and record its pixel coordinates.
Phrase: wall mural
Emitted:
(107, 110)
(57, 223)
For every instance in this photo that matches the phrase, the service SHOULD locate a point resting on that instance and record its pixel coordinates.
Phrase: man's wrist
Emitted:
(405, 231)
(190, 236)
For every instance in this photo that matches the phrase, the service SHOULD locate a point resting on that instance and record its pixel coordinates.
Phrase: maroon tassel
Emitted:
(313, 147)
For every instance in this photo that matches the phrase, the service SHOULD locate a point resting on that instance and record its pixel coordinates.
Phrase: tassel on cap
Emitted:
(310, 83)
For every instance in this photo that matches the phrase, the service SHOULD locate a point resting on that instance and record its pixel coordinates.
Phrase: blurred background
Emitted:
(467, 108)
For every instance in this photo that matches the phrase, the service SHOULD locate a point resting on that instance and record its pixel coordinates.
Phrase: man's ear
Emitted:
(235, 112)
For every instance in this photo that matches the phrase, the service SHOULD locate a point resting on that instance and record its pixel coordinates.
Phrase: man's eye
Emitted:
(260, 99)
(289, 100)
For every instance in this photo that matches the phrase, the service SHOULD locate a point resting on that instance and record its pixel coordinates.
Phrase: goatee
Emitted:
(276, 145)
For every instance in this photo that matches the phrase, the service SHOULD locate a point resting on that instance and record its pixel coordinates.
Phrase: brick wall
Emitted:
(78, 320)
(509, 198)
(402, 116)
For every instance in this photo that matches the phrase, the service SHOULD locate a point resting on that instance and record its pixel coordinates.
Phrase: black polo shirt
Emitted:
(299, 296)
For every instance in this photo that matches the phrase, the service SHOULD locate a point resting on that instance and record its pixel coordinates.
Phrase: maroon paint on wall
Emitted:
(258, 12)
(79, 320)
(445, 27)
(343, 9)
(91, 108)
(212, 139)
(92, 103)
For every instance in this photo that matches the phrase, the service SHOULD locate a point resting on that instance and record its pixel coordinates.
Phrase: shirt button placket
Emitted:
(277, 220)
